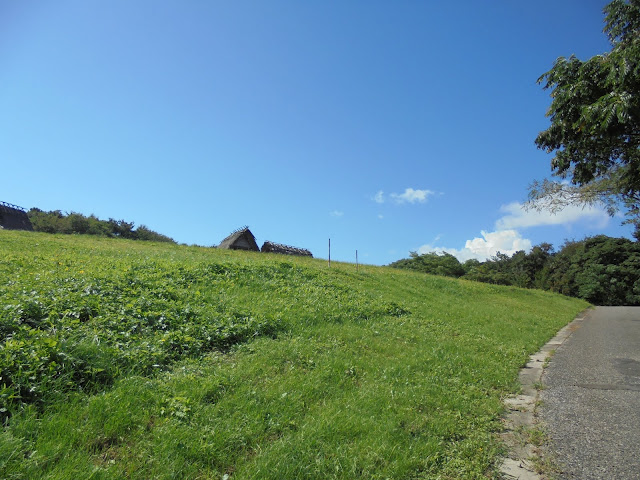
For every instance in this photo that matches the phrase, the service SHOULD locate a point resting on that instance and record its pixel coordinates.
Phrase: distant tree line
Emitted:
(57, 222)
(602, 270)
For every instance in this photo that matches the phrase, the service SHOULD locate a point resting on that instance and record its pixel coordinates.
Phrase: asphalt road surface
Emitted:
(591, 400)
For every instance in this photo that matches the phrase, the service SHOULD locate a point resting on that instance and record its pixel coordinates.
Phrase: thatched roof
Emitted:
(13, 217)
(271, 247)
(241, 239)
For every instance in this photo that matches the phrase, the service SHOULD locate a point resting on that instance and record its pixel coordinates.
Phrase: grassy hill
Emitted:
(122, 359)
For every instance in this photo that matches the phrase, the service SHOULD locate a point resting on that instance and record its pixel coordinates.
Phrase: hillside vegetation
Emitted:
(124, 359)
(601, 270)
(55, 221)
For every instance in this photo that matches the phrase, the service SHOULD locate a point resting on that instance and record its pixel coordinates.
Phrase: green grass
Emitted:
(136, 360)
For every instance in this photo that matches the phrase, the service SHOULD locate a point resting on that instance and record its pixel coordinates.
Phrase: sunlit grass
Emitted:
(185, 362)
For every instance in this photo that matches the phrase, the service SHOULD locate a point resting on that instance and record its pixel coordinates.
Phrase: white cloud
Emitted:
(379, 197)
(504, 241)
(508, 240)
(517, 217)
(380, 216)
(336, 213)
(412, 196)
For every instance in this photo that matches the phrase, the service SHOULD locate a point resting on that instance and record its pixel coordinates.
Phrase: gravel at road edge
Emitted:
(521, 416)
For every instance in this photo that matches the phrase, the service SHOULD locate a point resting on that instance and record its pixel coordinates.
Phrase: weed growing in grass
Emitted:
(546, 466)
(536, 436)
(123, 359)
(548, 358)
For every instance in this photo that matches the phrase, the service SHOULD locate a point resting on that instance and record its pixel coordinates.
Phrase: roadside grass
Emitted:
(136, 360)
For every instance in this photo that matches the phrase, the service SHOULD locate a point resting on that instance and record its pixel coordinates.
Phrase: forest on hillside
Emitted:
(68, 223)
(600, 269)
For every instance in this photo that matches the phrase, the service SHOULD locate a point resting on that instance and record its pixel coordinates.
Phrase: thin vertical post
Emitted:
(329, 253)
(357, 266)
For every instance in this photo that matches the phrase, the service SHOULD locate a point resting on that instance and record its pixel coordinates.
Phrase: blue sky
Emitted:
(388, 127)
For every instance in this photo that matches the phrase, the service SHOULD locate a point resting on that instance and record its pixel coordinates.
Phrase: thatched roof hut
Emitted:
(13, 217)
(270, 247)
(241, 239)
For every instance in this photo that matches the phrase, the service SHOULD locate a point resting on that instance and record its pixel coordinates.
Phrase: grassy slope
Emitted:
(124, 359)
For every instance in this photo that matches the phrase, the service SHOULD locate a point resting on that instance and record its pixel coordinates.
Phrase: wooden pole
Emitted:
(357, 266)
(329, 253)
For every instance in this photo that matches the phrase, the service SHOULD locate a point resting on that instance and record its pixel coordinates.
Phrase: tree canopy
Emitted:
(600, 269)
(595, 122)
(444, 264)
(57, 222)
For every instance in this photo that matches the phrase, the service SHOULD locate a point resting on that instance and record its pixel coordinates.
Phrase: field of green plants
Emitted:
(123, 359)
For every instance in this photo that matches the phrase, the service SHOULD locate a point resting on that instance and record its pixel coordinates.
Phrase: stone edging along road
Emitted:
(521, 410)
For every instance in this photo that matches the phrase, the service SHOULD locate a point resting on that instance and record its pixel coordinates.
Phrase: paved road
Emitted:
(591, 403)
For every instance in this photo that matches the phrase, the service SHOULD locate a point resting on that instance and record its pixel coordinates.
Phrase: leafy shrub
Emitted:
(438, 264)
(57, 222)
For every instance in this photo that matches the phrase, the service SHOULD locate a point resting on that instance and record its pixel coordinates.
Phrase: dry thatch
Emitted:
(270, 247)
(241, 239)
(13, 217)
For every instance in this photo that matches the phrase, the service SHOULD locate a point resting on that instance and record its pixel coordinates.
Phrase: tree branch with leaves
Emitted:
(595, 124)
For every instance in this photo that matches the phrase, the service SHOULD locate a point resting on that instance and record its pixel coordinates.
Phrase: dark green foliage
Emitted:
(601, 269)
(595, 117)
(122, 229)
(57, 222)
(144, 233)
(521, 269)
(445, 264)
(493, 271)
